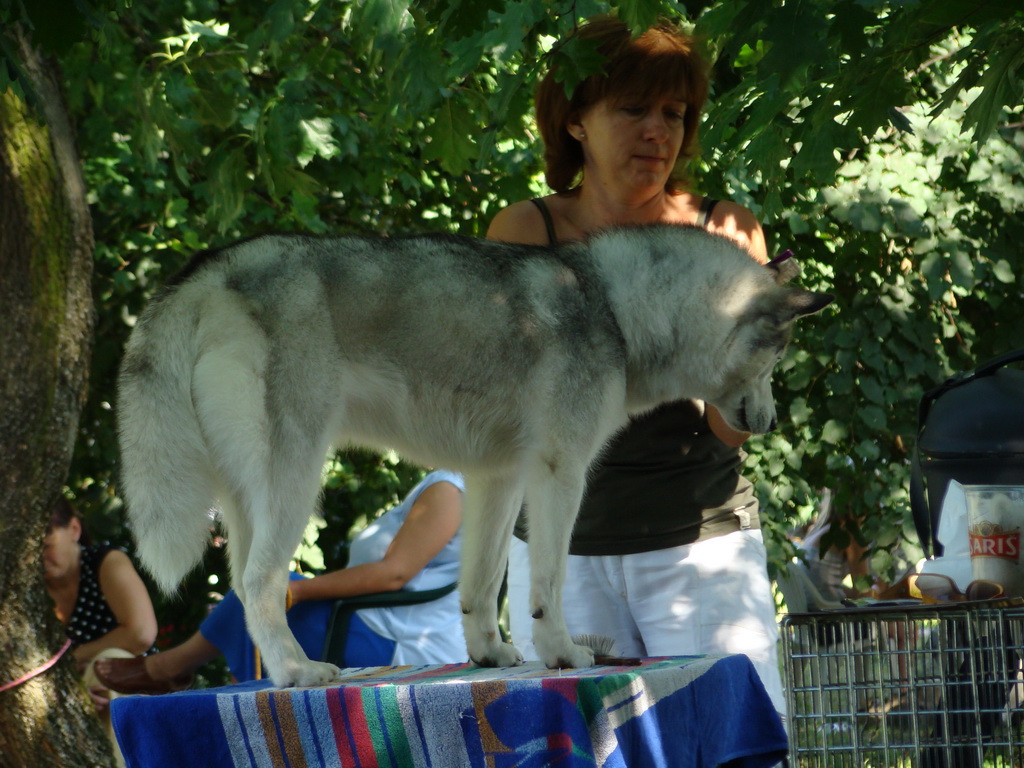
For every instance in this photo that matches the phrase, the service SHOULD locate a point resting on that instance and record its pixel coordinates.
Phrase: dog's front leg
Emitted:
(280, 653)
(491, 506)
(553, 501)
(264, 582)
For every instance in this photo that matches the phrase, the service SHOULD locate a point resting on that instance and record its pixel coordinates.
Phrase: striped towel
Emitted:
(679, 711)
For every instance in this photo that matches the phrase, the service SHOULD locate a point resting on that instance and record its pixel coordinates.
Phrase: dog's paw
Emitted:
(569, 657)
(498, 655)
(305, 674)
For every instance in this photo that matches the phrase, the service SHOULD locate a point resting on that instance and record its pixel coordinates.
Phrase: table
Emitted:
(699, 711)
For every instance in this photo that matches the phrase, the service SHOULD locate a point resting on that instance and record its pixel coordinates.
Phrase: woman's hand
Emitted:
(731, 437)
(100, 698)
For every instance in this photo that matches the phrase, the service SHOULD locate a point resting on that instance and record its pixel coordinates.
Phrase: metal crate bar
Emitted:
(935, 686)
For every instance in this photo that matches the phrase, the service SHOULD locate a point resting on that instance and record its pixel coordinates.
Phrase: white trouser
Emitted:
(711, 597)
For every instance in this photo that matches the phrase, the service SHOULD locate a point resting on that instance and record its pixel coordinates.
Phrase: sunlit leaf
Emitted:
(317, 140)
(1002, 84)
(834, 432)
(1003, 271)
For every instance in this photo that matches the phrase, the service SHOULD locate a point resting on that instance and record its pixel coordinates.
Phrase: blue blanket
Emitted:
(671, 712)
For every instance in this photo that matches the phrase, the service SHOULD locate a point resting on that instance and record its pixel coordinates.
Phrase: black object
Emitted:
(969, 429)
(975, 695)
(337, 626)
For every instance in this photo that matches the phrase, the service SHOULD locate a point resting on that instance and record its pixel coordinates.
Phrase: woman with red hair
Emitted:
(667, 556)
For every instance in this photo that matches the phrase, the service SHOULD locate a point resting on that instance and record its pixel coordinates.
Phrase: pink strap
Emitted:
(38, 670)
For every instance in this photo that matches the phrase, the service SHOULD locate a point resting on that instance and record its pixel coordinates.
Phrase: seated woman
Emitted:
(414, 546)
(98, 596)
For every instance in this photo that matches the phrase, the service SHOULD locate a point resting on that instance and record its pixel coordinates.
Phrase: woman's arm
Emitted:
(732, 220)
(432, 522)
(520, 222)
(126, 594)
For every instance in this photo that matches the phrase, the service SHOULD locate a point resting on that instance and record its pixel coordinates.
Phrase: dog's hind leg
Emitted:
(239, 538)
(269, 464)
(552, 503)
(281, 516)
(491, 504)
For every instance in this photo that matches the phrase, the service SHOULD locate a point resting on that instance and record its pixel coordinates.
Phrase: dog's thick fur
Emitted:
(512, 364)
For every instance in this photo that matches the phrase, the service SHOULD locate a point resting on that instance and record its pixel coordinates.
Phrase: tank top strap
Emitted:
(549, 225)
(707, 205)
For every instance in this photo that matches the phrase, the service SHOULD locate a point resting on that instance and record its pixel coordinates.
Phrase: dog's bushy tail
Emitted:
(166, 477)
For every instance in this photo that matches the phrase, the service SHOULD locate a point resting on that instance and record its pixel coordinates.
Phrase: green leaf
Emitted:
(769, 149)
(1001, 86)
(291, 182)
(865, 216)
(933, 272)
(511, 98)
(212, 105)
(993, 61)
(280, 20)
(822, 142)
(961, 269)
(834, 432)
(799, 413)
(383, 16)
(873, 417)
(575, 61)
(463, 18)
(1003, 271)
(868, 449)
(639, 14)
(797, 35)
(199, 29)
(507, 31)
(872, 390)
(229, 187)
(317, 140)
(452, 139)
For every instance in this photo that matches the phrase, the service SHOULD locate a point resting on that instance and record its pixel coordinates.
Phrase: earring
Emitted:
(582, 136)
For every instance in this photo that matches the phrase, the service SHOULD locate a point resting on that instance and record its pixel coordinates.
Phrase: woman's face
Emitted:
(60, 549)
(631, 146)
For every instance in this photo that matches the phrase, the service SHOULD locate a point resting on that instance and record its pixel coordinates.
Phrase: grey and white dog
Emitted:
(512, 364)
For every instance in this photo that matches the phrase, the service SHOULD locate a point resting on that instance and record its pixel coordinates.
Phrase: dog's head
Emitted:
(756, 345)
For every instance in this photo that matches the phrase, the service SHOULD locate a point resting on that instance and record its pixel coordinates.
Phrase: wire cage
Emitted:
(929, 686)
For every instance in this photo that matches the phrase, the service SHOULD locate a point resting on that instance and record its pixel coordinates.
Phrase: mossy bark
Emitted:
(46, 326)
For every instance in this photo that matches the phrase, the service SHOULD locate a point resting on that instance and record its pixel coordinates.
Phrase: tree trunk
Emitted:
(46, 325)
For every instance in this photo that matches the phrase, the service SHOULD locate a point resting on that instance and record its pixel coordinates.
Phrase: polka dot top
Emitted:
(91, 617)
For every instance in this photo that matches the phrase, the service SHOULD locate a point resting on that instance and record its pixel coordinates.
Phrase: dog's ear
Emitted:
(776, 310)
(799, 302)
(785, 269)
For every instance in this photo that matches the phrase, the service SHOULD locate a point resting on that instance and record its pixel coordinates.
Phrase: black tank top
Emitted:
(91, 617)
(665, 480)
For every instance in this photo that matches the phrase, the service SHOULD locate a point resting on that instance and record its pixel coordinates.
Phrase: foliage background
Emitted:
(881, 141)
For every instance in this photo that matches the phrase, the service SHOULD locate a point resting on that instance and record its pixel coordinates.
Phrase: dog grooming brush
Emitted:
(602, 647)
